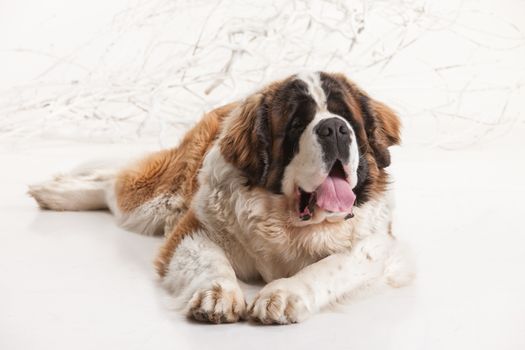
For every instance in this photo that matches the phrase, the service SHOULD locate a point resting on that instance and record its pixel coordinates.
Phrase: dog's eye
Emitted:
(297, 124)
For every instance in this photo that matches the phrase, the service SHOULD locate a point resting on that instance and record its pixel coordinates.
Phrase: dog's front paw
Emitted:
(221, 303)
(279, 302)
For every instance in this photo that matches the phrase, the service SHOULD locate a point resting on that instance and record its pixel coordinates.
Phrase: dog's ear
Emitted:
(381, 123)
(382, 127)
(246, 142)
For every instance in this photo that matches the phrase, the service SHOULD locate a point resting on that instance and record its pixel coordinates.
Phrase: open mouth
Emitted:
(333, 195)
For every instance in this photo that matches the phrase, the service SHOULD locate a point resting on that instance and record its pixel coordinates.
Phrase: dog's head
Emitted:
(315, 138)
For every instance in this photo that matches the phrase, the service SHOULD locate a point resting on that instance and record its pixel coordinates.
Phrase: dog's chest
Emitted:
(257, 237)
(253, 226)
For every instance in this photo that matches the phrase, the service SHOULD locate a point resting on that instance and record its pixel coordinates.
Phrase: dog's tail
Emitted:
(88, 187)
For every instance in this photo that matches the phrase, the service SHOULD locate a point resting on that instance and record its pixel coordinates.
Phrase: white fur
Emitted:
(331, 279)
(78, 190)
(252, 233)
(154, 217)
(92, 186)
(203, 280)
(313, 82)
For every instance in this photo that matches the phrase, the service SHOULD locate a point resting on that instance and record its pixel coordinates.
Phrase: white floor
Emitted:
(75, 280)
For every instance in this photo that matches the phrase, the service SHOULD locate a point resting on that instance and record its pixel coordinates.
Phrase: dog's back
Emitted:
(148, 196)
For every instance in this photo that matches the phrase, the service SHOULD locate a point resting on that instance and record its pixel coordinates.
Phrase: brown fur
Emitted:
(241, 145)
(389, 124)
(375, 135)
(245, 146)
(185, 226)
(170, 171)
(382, 127)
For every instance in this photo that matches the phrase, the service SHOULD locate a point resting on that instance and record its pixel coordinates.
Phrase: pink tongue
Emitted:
(335, 194)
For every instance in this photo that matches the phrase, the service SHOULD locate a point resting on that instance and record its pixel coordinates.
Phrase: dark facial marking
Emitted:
(295, 109)
(264, 138)
(363, 182)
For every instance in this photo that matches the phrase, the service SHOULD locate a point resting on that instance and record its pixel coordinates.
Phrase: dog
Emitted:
(288, 186)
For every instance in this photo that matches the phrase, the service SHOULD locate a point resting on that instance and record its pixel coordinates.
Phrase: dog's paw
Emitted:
(400, 267)
(279, 303)
(221, 303)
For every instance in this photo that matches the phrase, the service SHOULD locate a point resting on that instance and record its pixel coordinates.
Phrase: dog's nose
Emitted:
(332, 128)
(334, 136)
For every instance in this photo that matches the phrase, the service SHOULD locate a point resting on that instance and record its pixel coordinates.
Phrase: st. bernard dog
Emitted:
(288, 185)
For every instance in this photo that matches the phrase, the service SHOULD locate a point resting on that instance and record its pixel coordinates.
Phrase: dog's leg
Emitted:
(200, 275)
(289, 300)
(85, 188)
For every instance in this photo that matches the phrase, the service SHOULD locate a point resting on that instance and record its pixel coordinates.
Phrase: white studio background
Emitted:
(128, 71)
(83, 80)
